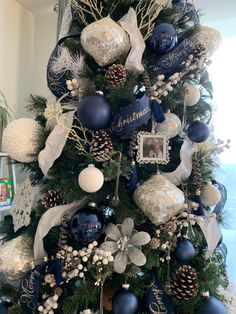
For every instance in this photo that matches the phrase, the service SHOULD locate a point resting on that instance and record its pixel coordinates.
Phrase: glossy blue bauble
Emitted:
(124, 302)
(179, 2)
(86, 225)
(94, 112)
(163, 39)
(198, 132)
(212, 306)
(184, 252)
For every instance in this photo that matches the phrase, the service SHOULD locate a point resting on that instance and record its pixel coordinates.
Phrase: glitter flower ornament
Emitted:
(124, 243)
(52, 112)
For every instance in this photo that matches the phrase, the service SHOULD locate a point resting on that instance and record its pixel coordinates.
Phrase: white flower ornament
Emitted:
(124, 242)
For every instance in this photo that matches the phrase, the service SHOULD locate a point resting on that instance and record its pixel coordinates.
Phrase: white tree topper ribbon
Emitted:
(211, 230)
(129, 23)
(55, 142)
(51, 218)
(183, 171)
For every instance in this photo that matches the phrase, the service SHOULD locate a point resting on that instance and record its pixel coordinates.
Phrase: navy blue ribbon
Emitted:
(131, 117)
(156, 299)
(173, 59)
(29, 289)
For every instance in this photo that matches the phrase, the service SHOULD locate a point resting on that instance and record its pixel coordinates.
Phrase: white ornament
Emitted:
(209, 37)
(22, 204)
(16, 257)
(91, 179)
(191, 94)
(159, 199)
(210, 195)
(171, 126)
(19, 139)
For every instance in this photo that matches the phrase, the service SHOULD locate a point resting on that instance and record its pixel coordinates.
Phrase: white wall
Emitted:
(16, 53)
(44, 43)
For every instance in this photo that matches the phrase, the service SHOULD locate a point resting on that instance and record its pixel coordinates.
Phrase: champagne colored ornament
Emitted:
(16, 257)
(171, 126)
(19, 139)
(91, 179)
(209, 37)
(105, 41)
(159, 199)
(210, 195)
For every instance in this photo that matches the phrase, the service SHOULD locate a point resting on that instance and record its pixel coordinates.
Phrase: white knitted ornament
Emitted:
(19, 139)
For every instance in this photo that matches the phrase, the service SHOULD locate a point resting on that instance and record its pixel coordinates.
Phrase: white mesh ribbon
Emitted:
(184, 170)
(55, 142)
(210, 229)
(51, 218)
(129, 23)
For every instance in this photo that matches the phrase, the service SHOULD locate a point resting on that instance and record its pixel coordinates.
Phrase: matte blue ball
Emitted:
(198, 132)
(86, 225)
(212, 306)
(94, 112)
(124, 302)
(184, 252)
(163, 39)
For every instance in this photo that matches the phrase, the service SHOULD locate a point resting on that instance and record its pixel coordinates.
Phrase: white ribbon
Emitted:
(183, 171)
(129, 23)
(51, 218)
(211, 230)
(55, 142)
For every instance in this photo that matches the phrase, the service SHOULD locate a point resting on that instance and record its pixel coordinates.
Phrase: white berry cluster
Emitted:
(49, 305)
(162, 88)
(73, 87)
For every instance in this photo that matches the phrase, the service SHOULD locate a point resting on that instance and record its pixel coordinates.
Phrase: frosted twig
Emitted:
(90, 7)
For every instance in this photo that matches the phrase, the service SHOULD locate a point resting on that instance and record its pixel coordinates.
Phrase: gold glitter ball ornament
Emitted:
(105, 41)
(159, 199)
(16, 257)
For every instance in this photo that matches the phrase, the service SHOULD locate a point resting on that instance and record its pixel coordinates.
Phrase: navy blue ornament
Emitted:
(184, 252)
(133, 180)
(4, 307)
(198, 132)
(183, 2)
(94, 112)
(212, 305)
(124, 302)
(163, 39)
(86, 224)
(200, 210)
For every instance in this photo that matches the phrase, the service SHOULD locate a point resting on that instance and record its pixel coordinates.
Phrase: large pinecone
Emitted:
(116, 75)
(52, 199)
(196, 171)
(184, 285)
(101, 147)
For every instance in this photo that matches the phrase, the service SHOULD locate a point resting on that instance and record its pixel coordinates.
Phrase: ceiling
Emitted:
(38, 7)
(212, 10)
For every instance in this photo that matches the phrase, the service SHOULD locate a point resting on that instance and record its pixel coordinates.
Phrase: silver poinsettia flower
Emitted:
(124, 243)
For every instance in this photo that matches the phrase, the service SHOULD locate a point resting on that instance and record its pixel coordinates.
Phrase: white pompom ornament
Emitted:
(192, 95)
(210, 195)
(91, 179)
(19, 139)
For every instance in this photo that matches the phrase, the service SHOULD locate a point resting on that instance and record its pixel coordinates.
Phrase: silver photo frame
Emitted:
(153, 148)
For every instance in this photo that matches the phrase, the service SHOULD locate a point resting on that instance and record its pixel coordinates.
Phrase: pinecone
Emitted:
(197, 175)
(133, 144)
(198, 50)
(116, 75)
(147, 83)
(107, 298)
(101, 147)
(52, 199)
(184, 285)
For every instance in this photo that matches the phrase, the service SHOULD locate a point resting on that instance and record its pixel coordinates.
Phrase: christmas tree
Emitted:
(121, 209)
